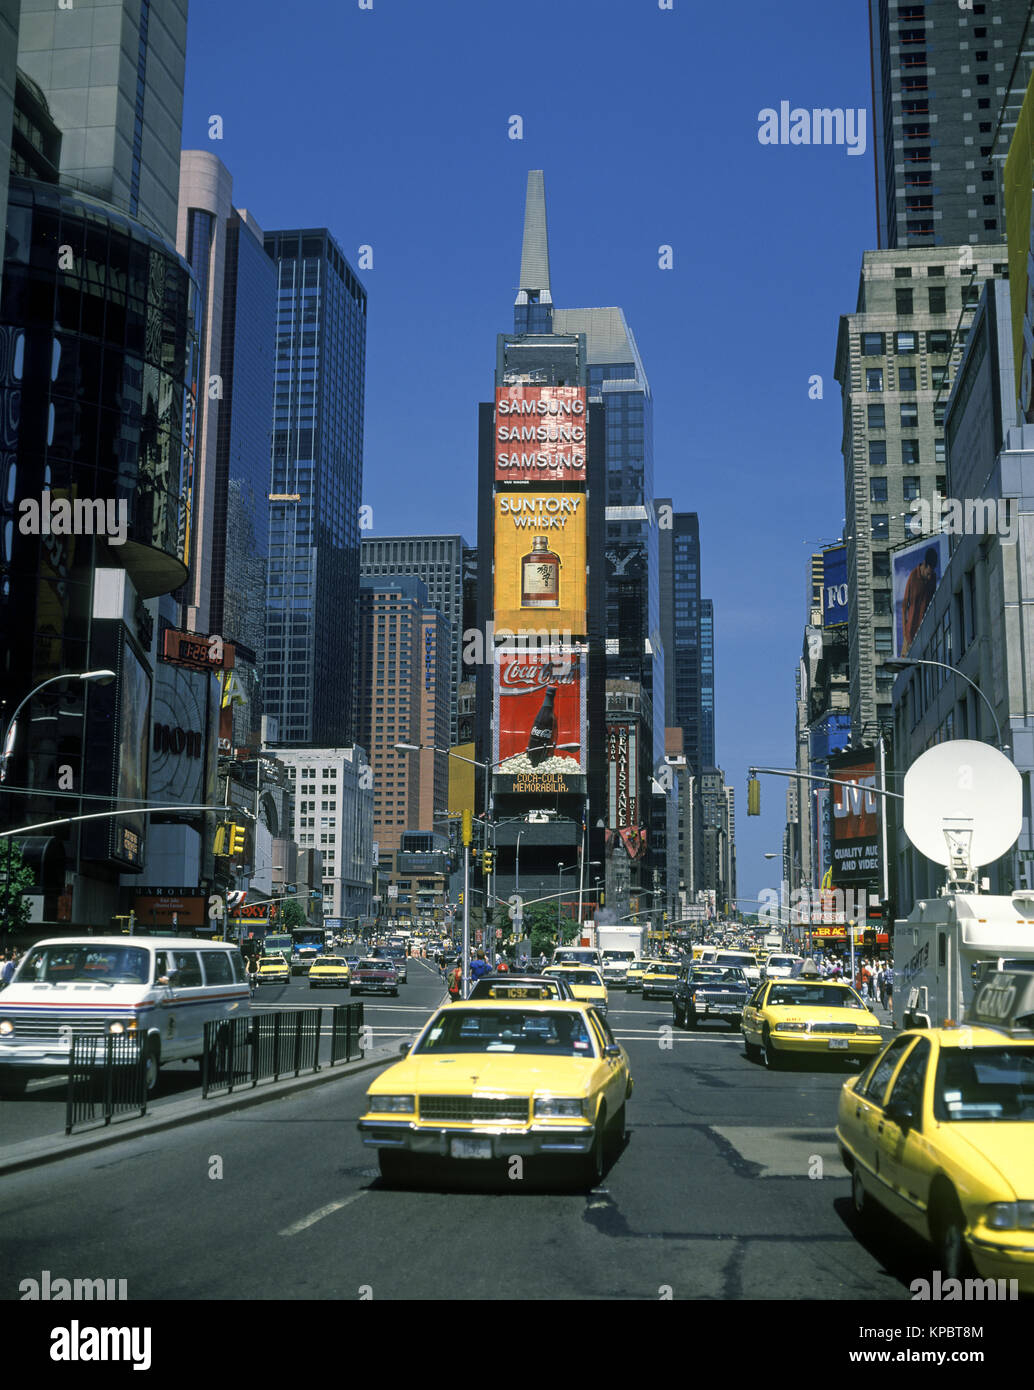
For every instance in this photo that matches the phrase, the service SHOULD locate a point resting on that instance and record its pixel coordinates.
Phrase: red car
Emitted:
(374, 977)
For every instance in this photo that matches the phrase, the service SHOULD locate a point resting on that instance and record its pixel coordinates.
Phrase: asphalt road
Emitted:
(41, 1111)
(729, 1187)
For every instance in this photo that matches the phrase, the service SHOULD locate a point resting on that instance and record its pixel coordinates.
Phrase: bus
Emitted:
(278, 944)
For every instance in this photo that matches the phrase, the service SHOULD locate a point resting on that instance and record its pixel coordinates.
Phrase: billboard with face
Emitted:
(540, 434)
(539, 724)
(916, 570)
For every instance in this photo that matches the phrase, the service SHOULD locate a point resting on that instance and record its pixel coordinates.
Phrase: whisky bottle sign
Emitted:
(540, 576)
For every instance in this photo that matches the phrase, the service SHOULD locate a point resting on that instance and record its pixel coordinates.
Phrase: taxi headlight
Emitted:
(6, 1028)
(559, 1108)
(864, 1028)
(392, 1104)
(791, 1027)
(1011, 1216)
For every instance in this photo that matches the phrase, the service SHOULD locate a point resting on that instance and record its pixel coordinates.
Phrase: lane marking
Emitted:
(320, 1213)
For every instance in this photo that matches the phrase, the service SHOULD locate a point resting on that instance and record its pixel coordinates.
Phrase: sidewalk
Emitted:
(51, 1148)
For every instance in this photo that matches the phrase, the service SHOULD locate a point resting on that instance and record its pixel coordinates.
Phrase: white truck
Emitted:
(944, 946)
(773, 941)
(618, 947)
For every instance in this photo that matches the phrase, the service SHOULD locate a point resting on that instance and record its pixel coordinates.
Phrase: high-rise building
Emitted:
(226, 592)
(895, 362)
(707, 733)
(680, 614)
(333, 813)
(948, 81)
(112, 73)
(438, 561)
(404, 690)
(10, 11)
(314, 493)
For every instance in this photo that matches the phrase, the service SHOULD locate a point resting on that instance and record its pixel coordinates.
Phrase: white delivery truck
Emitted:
(946, 944)
(963, 809)
(618, 947)
(773, 941)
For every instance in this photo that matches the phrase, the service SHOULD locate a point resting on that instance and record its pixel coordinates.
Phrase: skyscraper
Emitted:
(948, 78)
(314, 493)
(438, 561)
(707, 734)
(112, 73)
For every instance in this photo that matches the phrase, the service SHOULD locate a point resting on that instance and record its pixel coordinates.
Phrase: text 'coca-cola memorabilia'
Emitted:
(540, 721)
(540, 434)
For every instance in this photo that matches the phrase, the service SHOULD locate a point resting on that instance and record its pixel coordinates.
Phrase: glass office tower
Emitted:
(314, 494)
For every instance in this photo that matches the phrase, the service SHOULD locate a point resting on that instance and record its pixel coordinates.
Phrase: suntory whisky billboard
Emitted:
(539, 723)
(540, 434)
(540, 561)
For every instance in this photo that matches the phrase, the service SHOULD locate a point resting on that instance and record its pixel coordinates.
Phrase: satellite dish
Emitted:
(972, 792)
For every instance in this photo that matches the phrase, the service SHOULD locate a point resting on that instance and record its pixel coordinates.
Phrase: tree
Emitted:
(292, 914)
(16, 879)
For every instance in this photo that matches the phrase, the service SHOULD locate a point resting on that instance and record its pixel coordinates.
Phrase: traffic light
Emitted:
(753, 796)
(237, 838)
(487, 859)
(221, 836)
(461, 900)
(602, 896)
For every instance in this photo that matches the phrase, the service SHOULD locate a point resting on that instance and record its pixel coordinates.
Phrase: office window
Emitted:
(881, 564)
(905, 342)
(938, 339)
(881, 603)
(877, 453)
(902, 272)
(910, 453)
(872, 344)
(877, 489)
(874, 378)
(909, 415)
(880, 527)
(910, 487)
(906, 378)
(877, 417)
(938, 297)
(903, 301)
(883, 640)
(938, 377)
(935, 271)
(939, 455)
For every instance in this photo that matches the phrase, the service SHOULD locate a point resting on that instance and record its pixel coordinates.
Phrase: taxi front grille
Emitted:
(470, 1109)
(50, 1026)
(833, 1027)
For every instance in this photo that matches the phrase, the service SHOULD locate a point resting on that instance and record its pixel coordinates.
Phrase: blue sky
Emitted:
(390, 126)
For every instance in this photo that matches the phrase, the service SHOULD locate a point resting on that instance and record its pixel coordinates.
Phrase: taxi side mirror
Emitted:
(902, 1114)
(404, 1047)
(612, 1050)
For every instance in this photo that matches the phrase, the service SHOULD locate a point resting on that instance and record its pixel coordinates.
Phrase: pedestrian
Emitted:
(252, 968)
(9, 967)
(456, 982)
(479, 966)
(890, 988)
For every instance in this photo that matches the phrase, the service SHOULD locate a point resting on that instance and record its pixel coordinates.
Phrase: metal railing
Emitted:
(107, 1076)
(285, 1042)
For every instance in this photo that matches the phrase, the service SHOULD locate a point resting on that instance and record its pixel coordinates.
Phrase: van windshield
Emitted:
(86, 964)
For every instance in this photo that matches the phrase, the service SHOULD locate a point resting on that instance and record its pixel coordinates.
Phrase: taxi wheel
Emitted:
(594, 1163)
(618, 1131)
(860, 1199)
(772, 1058)
(948, 1225)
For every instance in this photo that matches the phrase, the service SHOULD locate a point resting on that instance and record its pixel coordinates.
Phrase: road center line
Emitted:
(320, 1213)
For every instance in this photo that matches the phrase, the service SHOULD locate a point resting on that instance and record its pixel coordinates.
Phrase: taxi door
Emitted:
(903, 1147)
(750, 1023)
(864, 1111)
(615, 1085)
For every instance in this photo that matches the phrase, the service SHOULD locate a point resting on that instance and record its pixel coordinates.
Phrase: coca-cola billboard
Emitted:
(539, 724)
(540, 434)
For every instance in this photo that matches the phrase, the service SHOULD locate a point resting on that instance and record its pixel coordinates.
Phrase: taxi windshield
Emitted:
(102, 965)
(810, 996)
(541, 1032)
(582, 977)
(328, 960)
(986, 1083)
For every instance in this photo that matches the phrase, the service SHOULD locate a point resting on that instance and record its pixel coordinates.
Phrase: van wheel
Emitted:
(152, 1063)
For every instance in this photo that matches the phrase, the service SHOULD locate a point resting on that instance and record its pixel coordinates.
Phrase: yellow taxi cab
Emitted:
(273, 970)
(785, 1017)
(585, 981)
(939, 1130)
(660, 978)
(496, 1078)
(634, 976)
(330, 970)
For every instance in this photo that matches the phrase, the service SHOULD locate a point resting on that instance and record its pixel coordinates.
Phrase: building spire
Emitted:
(534, 286)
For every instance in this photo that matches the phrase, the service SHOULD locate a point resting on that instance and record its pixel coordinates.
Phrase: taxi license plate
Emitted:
(839, 1042)
(471, 1148)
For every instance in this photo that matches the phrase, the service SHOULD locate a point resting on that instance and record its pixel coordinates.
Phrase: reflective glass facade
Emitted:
(315, 485)
(707, 751)
(683, 660)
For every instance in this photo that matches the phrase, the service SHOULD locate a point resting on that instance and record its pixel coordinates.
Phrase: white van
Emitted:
(577, 955)
(163, 989)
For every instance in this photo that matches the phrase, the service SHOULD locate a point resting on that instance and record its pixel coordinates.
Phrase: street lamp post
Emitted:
(902, 663)
(103, 677)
